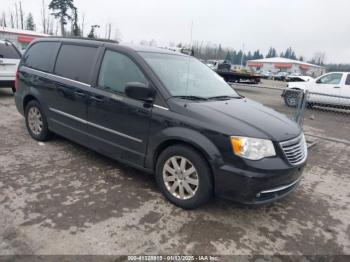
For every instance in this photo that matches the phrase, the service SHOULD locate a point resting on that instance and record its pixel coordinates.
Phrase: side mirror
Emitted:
(139, 91)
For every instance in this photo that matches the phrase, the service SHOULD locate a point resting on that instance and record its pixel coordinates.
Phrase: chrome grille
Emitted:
(295, 150)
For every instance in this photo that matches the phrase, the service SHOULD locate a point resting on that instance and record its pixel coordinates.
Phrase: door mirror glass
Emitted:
(139, 91)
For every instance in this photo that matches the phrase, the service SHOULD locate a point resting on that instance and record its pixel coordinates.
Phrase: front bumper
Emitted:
(256, 186)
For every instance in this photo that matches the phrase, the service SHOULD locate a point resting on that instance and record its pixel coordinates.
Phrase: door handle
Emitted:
(337, 87)
(79, 93)
(96, 99)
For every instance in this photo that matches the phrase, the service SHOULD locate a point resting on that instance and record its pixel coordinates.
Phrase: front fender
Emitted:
(185, 135)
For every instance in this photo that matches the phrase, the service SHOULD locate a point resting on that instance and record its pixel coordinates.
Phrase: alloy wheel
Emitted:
(180, 177)
(35, 120)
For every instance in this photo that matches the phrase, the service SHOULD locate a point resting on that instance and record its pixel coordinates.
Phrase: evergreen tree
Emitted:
(61, 11)
(272, 53)
(289, 54)
(30, 25)
(75, 26)
(228, 57)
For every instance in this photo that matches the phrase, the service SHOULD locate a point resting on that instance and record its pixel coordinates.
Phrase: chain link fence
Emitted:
(321, 115)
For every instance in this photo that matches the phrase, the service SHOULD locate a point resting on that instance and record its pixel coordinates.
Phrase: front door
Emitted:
(118, 125)
(326, 88)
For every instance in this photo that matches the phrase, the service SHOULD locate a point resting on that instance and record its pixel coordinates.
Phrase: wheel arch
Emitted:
(34, 94)
(184, 136)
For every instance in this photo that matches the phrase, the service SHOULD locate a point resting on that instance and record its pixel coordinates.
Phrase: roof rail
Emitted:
(87, 39)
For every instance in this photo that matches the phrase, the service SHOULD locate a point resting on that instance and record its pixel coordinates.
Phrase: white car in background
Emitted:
(9, 60)
(298, 78)
(329, 89)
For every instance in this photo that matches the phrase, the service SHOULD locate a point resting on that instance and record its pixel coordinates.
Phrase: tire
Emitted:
(291, 98)
(13, 90)
(310, 105)
(201, 193)
(36, 121)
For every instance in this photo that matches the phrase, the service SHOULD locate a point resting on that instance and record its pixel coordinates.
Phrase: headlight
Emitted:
(252, 148)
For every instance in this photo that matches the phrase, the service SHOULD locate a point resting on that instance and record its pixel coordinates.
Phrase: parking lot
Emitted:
(61, 198)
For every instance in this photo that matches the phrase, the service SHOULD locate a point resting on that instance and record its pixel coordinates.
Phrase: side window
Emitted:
(76, 62)
(117, 70)
(347, 82)
(8, 51)
(41, 56)
(331, 79)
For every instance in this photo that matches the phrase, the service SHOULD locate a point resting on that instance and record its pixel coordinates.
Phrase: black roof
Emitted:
(100, 42)
(85, 39)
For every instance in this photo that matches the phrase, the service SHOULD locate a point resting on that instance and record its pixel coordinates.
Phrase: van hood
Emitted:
(244, 117)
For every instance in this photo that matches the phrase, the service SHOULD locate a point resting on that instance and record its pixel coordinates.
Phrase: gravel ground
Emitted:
(60, 198)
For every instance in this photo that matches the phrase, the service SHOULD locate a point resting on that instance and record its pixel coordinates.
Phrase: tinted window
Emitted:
(8, 51)
(117, 70)
(76, 62)
(348, 80)
(41, 56)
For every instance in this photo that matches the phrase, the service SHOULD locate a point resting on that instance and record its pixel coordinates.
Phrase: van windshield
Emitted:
(186, 76)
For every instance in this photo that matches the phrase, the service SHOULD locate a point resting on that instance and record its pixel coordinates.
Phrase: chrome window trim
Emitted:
(95, 125)
(161, 107)
(61, 77)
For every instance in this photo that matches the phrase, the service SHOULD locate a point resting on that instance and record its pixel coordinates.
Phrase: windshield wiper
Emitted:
(223, 97)
(192, 98)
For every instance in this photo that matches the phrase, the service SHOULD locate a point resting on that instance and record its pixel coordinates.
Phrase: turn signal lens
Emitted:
(236, 143)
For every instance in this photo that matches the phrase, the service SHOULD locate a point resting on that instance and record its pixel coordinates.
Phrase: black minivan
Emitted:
(162, 112)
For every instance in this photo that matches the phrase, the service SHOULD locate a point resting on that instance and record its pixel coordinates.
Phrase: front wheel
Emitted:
(184, 177)
(291, 98)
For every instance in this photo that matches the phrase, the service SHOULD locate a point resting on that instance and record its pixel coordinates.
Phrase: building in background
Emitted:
(280, 64)
(20, 38)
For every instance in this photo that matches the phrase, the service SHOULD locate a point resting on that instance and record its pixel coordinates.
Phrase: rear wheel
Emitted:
(36, 121)
(184, 177)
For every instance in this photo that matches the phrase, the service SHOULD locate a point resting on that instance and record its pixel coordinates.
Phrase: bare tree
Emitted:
(16, 13)
(43, 17)
(21, 15)
(108, 30)
(82, 24)
(319, 58)
(117, 35)
(12, 21)
(3, 20)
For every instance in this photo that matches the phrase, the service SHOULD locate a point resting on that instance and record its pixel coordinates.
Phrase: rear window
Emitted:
(348, 80)
(76, 62)
(8, 51)
(41, 56)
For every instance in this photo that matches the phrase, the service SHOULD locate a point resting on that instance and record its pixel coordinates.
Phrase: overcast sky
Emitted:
(308, 26)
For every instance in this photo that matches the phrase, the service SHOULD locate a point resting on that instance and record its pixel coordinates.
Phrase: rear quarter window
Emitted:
(76, 62)
(347, 82)
(8, 51)
(41, 56)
